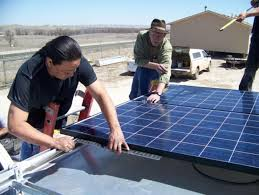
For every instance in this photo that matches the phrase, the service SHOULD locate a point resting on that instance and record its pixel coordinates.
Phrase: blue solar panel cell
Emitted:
(216, 154)
(163, 145)
(196, 139)
(203, 131)
(188, 149)
(131, 128)
(227, 135)
(217, 126)
(161, 125)
(248, 148)
(210, 125)
(139, 140)
(150, 132)
(232, 128)
(245, 159)
(252, 130)
(181, 128)
(250, 138)
(222, 143)
(93, 122)
(233, 121)
(172, 135)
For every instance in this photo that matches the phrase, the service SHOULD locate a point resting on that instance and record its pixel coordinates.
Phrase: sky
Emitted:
(110, 12)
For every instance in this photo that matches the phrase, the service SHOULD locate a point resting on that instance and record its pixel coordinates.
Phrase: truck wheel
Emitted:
(209, 67)
(196, 75)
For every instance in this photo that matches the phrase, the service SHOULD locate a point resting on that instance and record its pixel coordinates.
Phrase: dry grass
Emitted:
(92, 54)
(32, 41)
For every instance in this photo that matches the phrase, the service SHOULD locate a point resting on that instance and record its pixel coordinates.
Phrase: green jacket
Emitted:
(144, 52)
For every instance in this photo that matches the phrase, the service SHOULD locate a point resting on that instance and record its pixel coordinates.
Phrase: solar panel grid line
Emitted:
(167, 128)
(206, 99)
(188, 134)
(241, 98)
(147, 126)
(246, 153)
(81, 123)
(250, 134)
(93, 116)
(134, 118)
(222, 99)
(240, 136)
(212, 137)
(137, 125)
(188, 99)
(238, 102)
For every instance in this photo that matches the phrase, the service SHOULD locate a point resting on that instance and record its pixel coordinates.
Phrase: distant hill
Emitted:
(70, 29)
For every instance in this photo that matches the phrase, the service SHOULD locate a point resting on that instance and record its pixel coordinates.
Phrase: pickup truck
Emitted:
(190, 62)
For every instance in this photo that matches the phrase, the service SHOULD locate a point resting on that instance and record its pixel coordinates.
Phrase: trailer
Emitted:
(234, 62)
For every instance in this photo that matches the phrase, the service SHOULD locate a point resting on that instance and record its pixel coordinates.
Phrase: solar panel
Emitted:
(211, 98)
(207, 134)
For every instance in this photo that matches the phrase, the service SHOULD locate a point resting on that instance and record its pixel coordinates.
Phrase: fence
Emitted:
(11, 61)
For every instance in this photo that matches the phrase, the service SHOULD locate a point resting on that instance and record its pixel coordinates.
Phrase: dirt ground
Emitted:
(118, 82)
(220, 76)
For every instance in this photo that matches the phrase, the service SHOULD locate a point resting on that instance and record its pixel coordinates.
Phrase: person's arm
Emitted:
(116, 138)
(18, 126)
(244, 15)
(141, 59)
(166, 59)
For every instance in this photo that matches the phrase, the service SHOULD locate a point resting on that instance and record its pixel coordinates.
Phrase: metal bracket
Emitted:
(143, 154)
(131, 152)
(30, 188)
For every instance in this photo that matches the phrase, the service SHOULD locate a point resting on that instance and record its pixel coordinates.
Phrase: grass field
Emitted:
(32, 41)
(10, 67)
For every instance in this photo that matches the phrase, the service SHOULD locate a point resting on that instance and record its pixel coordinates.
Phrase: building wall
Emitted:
(202, 31)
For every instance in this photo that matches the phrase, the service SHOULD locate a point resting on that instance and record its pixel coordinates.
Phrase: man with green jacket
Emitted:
(152, 52)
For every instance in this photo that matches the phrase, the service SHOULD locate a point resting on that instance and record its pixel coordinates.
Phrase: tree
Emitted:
(10, 37)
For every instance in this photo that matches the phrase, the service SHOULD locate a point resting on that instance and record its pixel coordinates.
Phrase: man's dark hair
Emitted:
(60, 49)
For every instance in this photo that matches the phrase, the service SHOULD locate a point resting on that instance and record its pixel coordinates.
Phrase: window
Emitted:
(204, 54)
(196, 55)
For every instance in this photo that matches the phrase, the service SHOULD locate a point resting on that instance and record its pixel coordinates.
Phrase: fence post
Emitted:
(4, 69)
(101, 48)
(119, 48)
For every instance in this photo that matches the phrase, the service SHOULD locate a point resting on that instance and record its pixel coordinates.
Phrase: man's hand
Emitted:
(64, 143)
(3, 131)
(153, 98)
(241, 17)
(116, 141)
(160, 68)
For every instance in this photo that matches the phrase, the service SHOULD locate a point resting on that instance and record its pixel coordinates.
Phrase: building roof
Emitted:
(245, 24)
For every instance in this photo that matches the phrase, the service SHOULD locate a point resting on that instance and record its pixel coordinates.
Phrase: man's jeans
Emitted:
(28, 150)
(142, 81)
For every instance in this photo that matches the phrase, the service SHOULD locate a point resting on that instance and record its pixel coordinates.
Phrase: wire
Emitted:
(222, 180)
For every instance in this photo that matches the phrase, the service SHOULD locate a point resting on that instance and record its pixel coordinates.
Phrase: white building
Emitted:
(202, 31)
